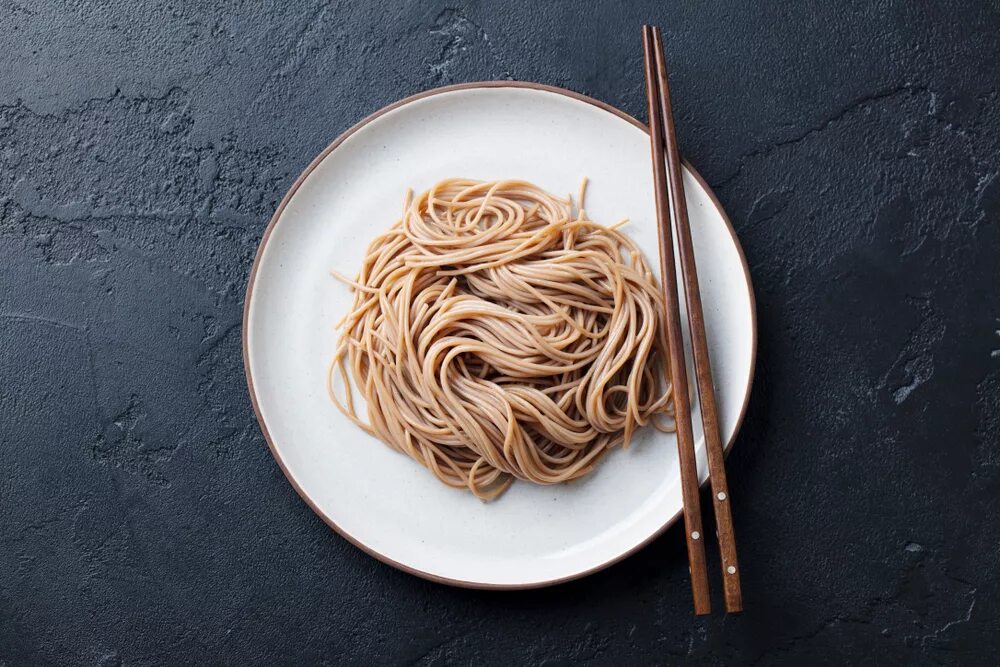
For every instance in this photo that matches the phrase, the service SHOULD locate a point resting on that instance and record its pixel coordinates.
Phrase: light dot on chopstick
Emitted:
(695, 535)
(731, 569)
(722, 495)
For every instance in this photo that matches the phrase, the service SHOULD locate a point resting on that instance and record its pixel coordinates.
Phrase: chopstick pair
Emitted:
(669, 190)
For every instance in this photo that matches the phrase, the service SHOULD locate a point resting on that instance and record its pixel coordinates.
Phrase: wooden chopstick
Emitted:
(732, 592)
(675, 344)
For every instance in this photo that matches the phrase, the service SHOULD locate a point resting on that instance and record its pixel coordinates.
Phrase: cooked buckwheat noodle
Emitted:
(497, 334)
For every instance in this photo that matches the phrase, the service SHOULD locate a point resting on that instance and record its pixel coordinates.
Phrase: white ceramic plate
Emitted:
(381, 500)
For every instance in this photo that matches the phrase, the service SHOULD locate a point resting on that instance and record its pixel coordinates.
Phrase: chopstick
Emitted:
(675, 344)
(664, 136)
(665, 132)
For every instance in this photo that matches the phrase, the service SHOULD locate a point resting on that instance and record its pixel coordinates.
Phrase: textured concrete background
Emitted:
(143, 147)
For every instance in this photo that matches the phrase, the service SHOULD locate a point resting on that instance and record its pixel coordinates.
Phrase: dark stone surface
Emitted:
(143, 147)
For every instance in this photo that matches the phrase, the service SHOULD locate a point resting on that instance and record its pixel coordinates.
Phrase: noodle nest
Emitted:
(496, 333)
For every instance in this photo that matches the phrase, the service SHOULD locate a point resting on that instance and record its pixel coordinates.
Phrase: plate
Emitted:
(381, 500)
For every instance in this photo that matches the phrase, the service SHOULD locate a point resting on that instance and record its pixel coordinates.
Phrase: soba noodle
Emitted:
(497, 333)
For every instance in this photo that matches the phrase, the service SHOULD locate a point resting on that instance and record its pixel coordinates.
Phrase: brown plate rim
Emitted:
(253, 277)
